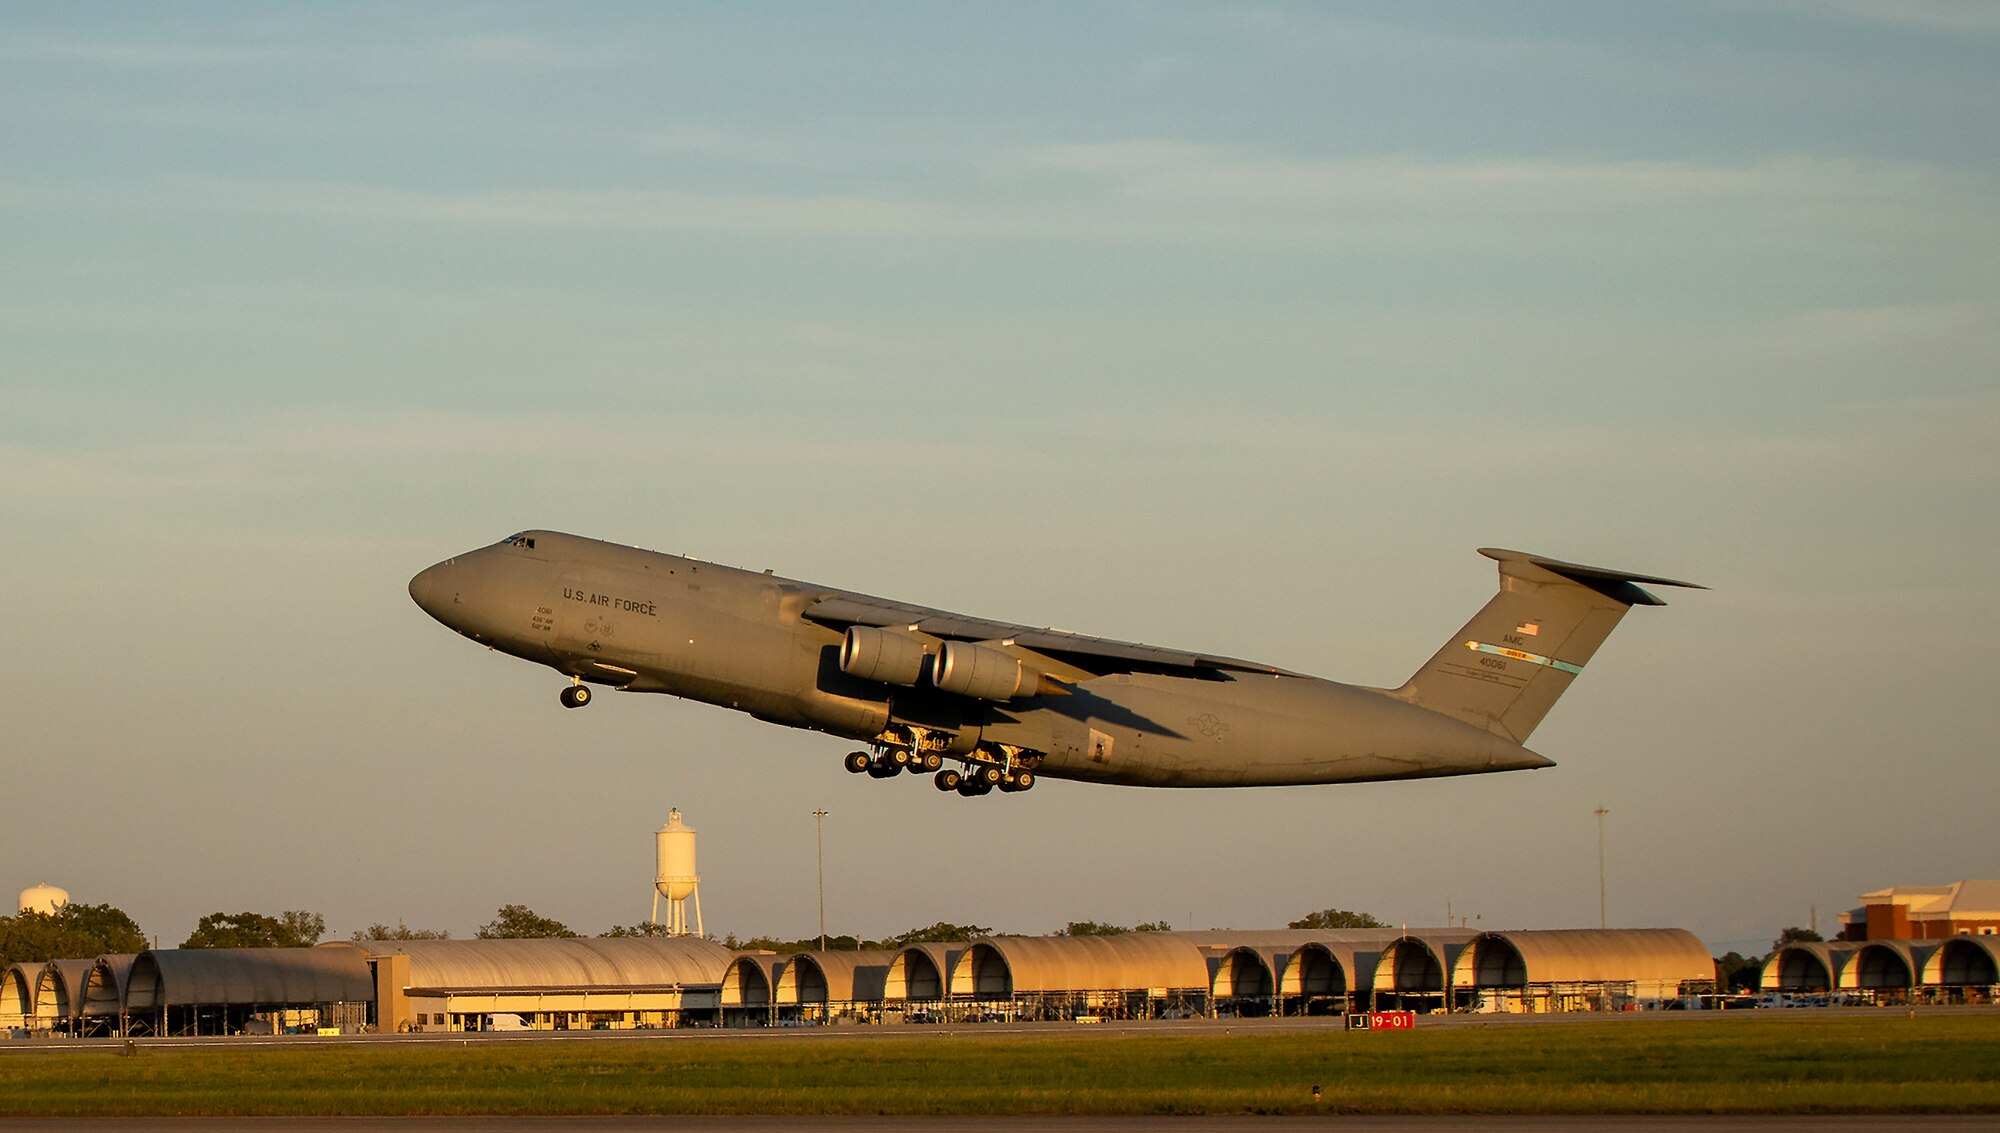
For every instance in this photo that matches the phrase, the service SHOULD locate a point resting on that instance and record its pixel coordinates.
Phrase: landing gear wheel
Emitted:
(1021, 781)
(576, 696)
(972, 788)
(931, 761)
(856, 761)
(883, 770)
(948, 780)
(987, 775)
(897, 757)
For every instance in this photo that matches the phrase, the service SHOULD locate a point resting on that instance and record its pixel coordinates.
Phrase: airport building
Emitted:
(645, 982)
(1925, 912)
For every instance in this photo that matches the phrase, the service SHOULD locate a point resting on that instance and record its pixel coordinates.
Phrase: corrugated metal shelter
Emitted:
(1318, 979)
(59, 993)
(1249, 973)
(1253, 970)
(1965, 967)
(1131, 974)
(1807, 966)
(557, 983)
(1001, 966)
(260, 977)
(1887, 969)
(1247, 966)
(104, 993)
(919, 971)
(1304, 971)
(191, 990)
(17, 996)
(1335, 968)
(561, 962)
(832, 983)
(1411, 972)
(1538, 969)
(748, 980)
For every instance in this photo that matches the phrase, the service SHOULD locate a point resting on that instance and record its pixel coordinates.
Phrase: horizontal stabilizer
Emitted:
(1615, 584)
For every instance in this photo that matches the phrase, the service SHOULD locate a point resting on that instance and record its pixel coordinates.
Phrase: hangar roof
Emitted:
(1070, 963)
(104, 987)
(1592, 954)
(749, 978)
(1964, 959)
(922, 970)
(842, 977)
(17, 991)
(567, 962)
(267, 976)
(59, 990)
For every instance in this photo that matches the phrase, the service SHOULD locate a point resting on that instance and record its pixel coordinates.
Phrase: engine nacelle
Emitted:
(983, 672)
(875, 654)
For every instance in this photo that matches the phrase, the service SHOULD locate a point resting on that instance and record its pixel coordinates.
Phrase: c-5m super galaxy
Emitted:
(1007, 704)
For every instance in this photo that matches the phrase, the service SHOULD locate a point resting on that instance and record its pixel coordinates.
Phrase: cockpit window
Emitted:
(524, 541)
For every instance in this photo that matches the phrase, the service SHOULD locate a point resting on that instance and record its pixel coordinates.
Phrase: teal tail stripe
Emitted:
(1517, 655)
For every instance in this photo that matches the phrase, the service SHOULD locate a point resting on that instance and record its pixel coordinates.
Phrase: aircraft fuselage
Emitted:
(642, 621)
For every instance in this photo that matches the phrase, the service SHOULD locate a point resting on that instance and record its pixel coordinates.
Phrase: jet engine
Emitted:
(983, 672)
(875, 654)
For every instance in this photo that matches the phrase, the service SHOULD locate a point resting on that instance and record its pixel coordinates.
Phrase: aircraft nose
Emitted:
(430, 591)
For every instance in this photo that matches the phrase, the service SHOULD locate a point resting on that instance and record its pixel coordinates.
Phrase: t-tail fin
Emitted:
(1505, 669)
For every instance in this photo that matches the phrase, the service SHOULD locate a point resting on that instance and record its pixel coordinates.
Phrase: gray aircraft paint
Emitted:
(1087, 708)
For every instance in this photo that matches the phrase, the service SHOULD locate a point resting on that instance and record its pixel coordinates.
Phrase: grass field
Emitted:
(1936, 1063)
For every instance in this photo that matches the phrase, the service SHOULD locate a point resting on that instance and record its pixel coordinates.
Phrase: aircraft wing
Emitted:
(1094, 654)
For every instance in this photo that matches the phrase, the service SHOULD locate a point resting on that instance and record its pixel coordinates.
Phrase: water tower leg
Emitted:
(655, 918)
(697, 912)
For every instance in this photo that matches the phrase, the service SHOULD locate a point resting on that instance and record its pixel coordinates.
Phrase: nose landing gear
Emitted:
(576, 695)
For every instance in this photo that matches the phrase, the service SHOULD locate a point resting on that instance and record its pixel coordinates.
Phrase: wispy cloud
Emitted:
(1946, 16)
(1178, 194)
(1165, 168)
(109, 51)
(299, 48)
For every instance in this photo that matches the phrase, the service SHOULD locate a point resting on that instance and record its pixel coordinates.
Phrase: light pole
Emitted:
(1601, 812)
(819, 824)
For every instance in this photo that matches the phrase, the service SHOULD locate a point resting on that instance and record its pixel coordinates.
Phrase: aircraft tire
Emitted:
(883, 770)
(987, 775)
(948, 780)
(933, 761)
(1023, 780)
(897, 757)
(856, 761)
(576, 696)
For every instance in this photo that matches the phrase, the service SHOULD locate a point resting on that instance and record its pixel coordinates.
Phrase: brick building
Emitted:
(1925, 912)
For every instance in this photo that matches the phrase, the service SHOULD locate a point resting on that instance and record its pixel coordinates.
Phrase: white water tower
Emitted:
(44, 899)
(676, 879)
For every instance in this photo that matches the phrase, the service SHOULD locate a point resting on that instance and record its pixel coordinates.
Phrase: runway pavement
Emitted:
(1624, 1124)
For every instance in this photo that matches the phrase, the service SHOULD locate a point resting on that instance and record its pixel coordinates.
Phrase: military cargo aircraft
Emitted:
(1006, 704)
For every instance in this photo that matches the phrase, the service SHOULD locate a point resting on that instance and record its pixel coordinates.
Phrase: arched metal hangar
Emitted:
(570, 982)
(187, 990)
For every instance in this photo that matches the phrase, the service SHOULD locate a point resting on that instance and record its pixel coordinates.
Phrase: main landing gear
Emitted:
(982, 774)
(576, 695)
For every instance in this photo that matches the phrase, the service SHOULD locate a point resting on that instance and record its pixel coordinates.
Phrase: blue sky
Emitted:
(1232, 327)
